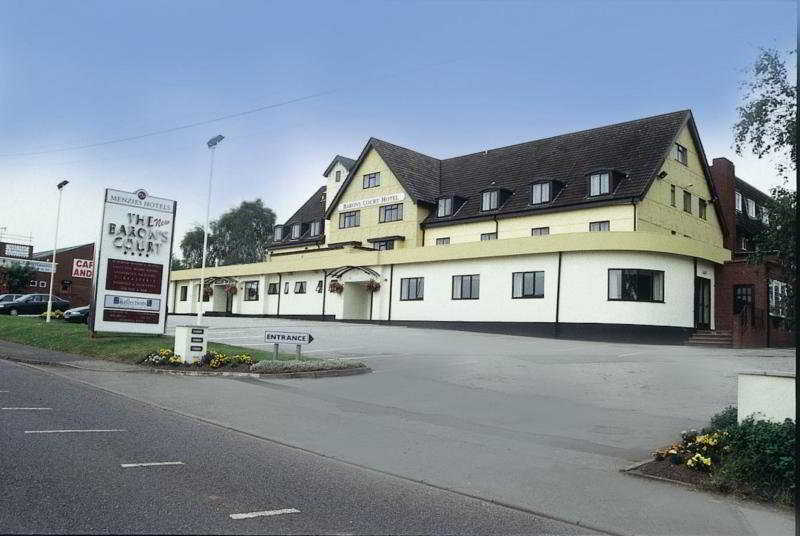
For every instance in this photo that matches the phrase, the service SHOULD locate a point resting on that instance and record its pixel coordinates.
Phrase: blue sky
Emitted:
(445, 78)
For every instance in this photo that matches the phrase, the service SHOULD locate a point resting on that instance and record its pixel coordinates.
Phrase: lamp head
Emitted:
(215, 140)
(62, 184)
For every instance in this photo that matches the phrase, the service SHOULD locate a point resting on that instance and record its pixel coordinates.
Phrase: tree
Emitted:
(243, 234)
(18, 276)
(192, 248)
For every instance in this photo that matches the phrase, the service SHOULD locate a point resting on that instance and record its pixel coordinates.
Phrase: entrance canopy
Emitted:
(339, 272)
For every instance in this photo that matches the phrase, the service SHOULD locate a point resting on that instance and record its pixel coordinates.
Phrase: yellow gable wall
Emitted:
(655, 214)
(568, 221)
(369, 227)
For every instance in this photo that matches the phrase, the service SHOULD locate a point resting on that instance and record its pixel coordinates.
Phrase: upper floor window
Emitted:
(672, 194)
(687, 202)
(383, 245)
(744, 244)
(279, 232)
(702, 208)
(316, 228)
(598, 226)
(444, 207)
(489, 236)
(751, 208)
(388, 213)
(443, 241)
(338, 175)
(540, 193)
(599, 184)
(778, 298)
(540, 231)
(466, 287)
(738, 202)
(527, 285)
(371, 180)
(295, 231)
(349, 219)
(412, 288)
(635, 285)
(490, 200)
(681, 154)
(251, 291)
(764, 216)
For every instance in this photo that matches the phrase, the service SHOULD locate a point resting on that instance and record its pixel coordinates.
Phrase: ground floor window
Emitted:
(443, 241)
(412, 288)
(742, 298)
(489, 236)
(527, 285)
(319, 286)
(466, 287)
(251, 291)
(630, 284)
(777, 298)
(300, 287)
(599, 226)
(184, 291)
(382, 245)
(286, 288)
(540, 231)
(272, 288)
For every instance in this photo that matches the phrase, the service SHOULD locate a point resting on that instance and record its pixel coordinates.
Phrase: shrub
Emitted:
(272, 367)
(722, 420)
(53, 314)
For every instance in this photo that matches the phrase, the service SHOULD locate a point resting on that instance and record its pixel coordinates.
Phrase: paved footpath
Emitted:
(511, 448)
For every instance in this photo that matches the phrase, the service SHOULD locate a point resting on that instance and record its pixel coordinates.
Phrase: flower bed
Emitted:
(274, 367)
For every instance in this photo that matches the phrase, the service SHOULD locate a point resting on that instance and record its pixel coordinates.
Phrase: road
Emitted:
(65, 447)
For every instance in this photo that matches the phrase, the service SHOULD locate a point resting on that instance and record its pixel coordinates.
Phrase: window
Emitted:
(777, 298)
(742, 298)
(466, 287)
(635, 285)
(738, 202)
(316, 228)
(197, 292)
(527, 285)
(286, 288)
(744, 243)
(599, 226)
(390, 213)
(295, 231)
(540, 193)
(490, 199)
(702, 208)
(540, 231)
(672, 194)
(681, 154)
(300, 287)
(751, 208)
(338, 175)
(764, 216)
(489, 236)
(319, 286)
(349, 219)
(184, 291)
(371, 180)
(272, 288)
(279, 232)
(687, 202)
(411, 288)
(445, 207)
(599, 184)
(383, 245)
(251, 291)
(443, 241)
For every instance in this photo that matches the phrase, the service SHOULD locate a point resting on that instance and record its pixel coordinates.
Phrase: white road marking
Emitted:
(631, 354)
(70, 431)
(265, 513)
(25, 409)
(4, 391)
(149, 464)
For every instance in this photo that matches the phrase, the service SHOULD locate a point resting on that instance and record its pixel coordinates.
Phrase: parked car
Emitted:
(32, 304)
(9, 297)
(77, 314)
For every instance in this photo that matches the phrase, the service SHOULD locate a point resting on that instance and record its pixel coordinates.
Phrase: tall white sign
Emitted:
(132, 263)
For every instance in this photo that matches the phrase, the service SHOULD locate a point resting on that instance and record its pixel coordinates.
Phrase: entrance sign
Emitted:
(288, 337)
(83, 268)
(132, 263)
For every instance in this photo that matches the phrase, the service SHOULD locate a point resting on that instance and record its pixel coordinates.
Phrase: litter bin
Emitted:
(190, 342)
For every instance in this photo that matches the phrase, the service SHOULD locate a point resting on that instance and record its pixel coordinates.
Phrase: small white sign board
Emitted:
(287, 337)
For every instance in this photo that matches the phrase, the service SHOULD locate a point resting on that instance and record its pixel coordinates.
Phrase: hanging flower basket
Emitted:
(230, 289)
(335, 287)
(373, 286)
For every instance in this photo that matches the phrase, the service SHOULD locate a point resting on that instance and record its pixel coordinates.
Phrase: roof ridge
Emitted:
(404, 148)
(306, 202)
(756, 188)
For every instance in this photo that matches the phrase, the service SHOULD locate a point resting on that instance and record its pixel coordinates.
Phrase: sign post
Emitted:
(287, 337)
(131, 271)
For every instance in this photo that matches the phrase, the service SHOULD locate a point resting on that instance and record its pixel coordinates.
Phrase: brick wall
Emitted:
(724, 176)
(77, 290)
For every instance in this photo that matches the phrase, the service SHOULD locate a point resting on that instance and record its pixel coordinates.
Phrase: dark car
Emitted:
(32, 304)
(9, 297)
(77, 314)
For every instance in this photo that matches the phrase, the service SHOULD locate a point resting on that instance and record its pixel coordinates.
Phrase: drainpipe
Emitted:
(496, 227)
(371, 299)
(280, 290)
(324, 291)
(633, 202)
(694, 278)
(558, 296)
(391, 284)
(423, 236)
(766, 308)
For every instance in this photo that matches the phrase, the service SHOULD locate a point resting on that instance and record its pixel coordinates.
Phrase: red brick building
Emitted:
(748, 296)
(73, 278)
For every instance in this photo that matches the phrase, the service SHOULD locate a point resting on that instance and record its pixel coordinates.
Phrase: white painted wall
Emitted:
(766, 396)
(309, 303)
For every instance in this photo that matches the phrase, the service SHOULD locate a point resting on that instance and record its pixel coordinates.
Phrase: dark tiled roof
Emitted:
(346, 162)
(312, 210)
(47, 253)
(418, 173)
(748, 190)
(744, 223)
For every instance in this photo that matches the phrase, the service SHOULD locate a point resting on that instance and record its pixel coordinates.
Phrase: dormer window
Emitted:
(295, 231)
(490, 200)
(316, 228)
(338, 175)
(279, 232)
(599, 184)
(541, 192)
(738, 202)
(751, 208)
(444, 207)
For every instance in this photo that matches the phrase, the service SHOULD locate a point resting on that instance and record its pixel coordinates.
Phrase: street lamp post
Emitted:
(212, 145)
(60, 187)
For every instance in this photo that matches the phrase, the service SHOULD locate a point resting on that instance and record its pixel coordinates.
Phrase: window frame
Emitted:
(681, 154)
(600, 223)
(673, 200)
(443, 241)
(368, 179)
(541, 186)
(298, 227)
(622, 297)
(739, 201)
(278, 233)
(286, 287)
(747, 204)
(494, 194)
(522, 295)
(184, 293)
(320, 286)
(272, 289)
(299, 287)
(472, 279)
(315, 224)
(748, 290)
(405, 288)
(485, 237)
(338, 175)
(448, 205)
(599, 175)
(687, 202)
(344, 216)
(702, 209)
(388, 245)
(395, 208)
(248, 285)
(543, 231)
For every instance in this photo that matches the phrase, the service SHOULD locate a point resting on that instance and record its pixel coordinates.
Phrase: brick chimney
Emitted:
(723, 174)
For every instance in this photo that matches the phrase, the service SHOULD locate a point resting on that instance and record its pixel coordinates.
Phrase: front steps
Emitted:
(715, 338)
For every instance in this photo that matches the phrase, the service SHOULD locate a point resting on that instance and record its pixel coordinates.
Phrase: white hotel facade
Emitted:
(609, 233)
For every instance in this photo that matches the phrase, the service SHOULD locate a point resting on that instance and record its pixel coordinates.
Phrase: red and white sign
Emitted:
(83, 268)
